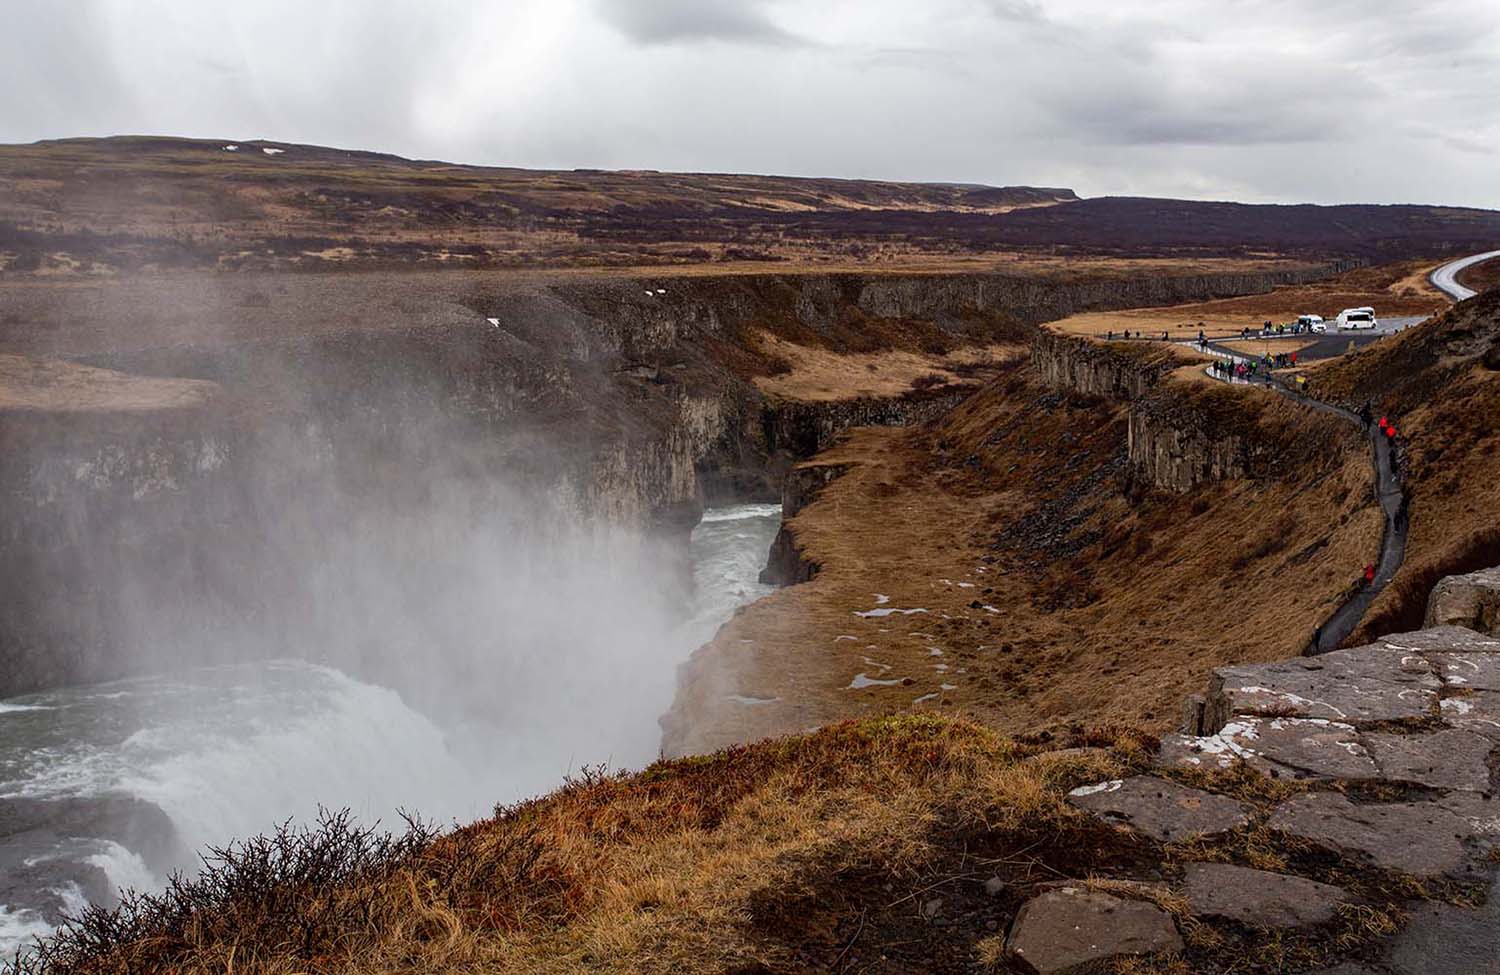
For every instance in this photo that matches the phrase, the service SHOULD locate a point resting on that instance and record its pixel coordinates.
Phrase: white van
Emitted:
(1351, 318)
(1312, 323)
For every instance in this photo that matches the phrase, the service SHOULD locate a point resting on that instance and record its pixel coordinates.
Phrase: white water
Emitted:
(232, 751)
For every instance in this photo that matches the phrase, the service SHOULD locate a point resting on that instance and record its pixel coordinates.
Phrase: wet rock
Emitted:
(1357, 686)
(1471, 600)
(1162, 810)
(1258, 897)
(1298, 748)
(1069, 927)
(1478, 712)
(1451, 759)
(1420, 838)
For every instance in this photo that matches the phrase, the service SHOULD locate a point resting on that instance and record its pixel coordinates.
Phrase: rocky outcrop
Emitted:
(801, 429)
(786, 564)
(1173, 456)
(1120, 371)
(1471, 601)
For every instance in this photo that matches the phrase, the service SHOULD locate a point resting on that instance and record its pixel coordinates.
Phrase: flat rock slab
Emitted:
(1419, 838)
(1258, 897)
(1471, 600)
(1451, 759)
(1454, 638)
(1359, 686)
(1479, 671)
(1162, 810)
(1070, 927)
(1300, 748)
(1440, 939)
(1478, 712)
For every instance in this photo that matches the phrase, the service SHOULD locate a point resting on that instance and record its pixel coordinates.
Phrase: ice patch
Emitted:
(881, 599)
(990, 609)
(934, 652)
(1455, 704)
(231, 148)
(1091, 790)
(925, 698)
(878, 613)
(966, 585)
(861, 681)
(948, 687)
(845, 636)
(272, 152)
(876, 663)
(493, 321)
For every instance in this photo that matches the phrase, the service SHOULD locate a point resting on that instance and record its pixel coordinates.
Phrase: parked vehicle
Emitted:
(1312, 323)
(1353, 318)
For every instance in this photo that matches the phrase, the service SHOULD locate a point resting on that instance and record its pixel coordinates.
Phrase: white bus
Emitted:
(1351, 318)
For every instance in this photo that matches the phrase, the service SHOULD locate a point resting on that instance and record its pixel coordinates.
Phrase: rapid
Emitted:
(113, 786)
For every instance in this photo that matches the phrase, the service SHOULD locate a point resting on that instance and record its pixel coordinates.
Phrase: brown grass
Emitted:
(812, 853)
(1392, 289)
(1108, 598)
(822, 375)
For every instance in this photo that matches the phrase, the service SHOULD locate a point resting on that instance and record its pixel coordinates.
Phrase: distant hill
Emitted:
(88, 205)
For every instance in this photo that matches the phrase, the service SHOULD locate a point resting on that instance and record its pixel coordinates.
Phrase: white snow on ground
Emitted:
(860, 681)
(743, 699)
(881, 599)
(877, 613)
(661, 291)
(934, 652)
(272, 152)
(990, 609)
(925, 697)
(493, 321)
(966, 585)
(948, 687)
(844, 636)
(231, 148)
(1291, 698)
(876, 663)
(1089, 790)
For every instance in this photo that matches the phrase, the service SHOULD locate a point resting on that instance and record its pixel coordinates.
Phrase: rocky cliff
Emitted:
(334, 399)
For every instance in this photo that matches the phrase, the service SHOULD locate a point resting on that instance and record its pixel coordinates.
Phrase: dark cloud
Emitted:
(672, 21)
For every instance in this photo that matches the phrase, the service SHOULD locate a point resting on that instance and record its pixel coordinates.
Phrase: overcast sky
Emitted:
(1258, 100)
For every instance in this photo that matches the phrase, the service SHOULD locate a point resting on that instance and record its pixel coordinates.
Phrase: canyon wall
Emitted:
(621, 400)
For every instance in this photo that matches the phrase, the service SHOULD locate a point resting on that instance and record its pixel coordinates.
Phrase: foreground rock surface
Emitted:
(1258, 897)
(1069, 927)
(1159, 809)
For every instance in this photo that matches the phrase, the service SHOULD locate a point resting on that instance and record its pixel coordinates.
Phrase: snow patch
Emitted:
(878, 613)
(1091, 790)
(862, 681)
(272, 152)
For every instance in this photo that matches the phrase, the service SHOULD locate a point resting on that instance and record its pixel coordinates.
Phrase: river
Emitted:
(114, 785)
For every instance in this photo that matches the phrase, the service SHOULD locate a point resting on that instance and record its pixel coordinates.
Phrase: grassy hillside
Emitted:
(100, 206)
(879, 846)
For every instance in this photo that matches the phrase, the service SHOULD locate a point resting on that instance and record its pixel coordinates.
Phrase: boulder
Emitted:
(1420, 838)
(1258, 897)
(1069, 927)
(1161, 810)
(1357, 686)
(1471, 600)
(1441, 939)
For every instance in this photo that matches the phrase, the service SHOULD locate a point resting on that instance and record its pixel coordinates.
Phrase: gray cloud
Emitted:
(670, 21)
(1318, 100)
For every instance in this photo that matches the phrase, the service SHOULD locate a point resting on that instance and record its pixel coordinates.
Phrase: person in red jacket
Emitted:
(1369, 574)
